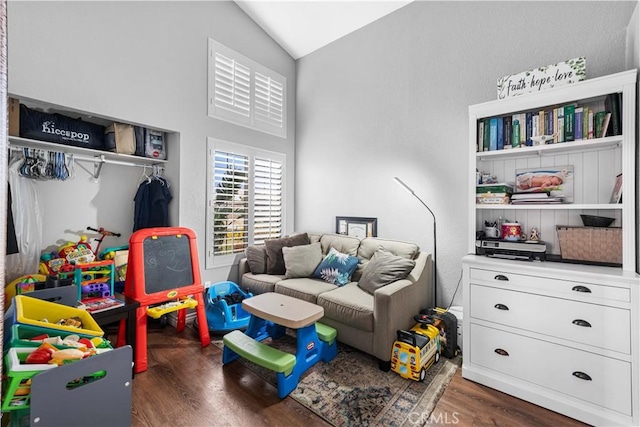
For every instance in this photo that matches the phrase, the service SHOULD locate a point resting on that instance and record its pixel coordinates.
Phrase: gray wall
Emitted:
(391, 100)
(139, 62)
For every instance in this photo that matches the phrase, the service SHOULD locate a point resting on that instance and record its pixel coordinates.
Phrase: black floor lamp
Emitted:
(435, 256)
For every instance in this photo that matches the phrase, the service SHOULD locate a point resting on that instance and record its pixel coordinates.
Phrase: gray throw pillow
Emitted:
(275, 260)
(384, 268)
(257, 259)
(301, 261)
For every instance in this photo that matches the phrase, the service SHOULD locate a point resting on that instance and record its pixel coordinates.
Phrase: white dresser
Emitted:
(562, 336)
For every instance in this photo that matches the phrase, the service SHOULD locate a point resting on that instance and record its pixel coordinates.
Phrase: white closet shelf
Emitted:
(98, 157)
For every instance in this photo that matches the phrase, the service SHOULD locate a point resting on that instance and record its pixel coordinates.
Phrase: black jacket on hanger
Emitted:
(151, 204)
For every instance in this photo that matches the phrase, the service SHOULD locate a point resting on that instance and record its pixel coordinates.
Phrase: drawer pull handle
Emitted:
(501, 307)
(582, 376)
(502, 352)
(581, 288)
(501, 277)
(581, 322)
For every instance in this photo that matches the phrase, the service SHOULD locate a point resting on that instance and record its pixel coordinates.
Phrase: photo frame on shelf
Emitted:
(616, 196)
(354, 226)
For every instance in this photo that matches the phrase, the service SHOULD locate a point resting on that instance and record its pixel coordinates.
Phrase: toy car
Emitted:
(413, 353)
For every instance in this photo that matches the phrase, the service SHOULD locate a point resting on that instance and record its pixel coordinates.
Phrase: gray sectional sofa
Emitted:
(364, 319)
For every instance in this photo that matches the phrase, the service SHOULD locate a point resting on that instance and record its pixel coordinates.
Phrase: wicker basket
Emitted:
(596, 244)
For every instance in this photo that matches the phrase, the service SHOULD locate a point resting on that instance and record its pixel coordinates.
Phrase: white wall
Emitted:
(392, 99)
(146, 63)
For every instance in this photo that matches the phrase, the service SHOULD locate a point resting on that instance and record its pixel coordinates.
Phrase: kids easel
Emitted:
(163, 270)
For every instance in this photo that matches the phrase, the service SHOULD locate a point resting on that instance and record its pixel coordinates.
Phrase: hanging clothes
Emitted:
(27, 223)
(12, 240)
(151, 203)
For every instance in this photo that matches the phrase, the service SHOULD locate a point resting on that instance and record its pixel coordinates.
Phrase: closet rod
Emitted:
(97, 161)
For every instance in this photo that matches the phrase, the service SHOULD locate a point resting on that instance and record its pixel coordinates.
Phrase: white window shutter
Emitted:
(243, 92)
(268, 102)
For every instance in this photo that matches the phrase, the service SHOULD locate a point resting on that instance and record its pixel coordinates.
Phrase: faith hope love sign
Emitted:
(560, 74)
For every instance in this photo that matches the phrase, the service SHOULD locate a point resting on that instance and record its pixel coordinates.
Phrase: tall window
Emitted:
(244, 92)
(245, 199)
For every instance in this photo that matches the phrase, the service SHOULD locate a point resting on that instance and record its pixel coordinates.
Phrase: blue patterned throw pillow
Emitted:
(336, 268)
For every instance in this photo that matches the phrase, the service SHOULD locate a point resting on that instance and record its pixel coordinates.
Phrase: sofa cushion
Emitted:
(301, 261)
(257, 259)
(275, 259)
(260, 283)
(306, 289)
(349, 305)
(384, 268)
(345, 244)
(336, 267)
(369, 245)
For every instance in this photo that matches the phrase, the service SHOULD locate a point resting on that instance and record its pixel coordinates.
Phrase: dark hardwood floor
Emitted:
(186, 385)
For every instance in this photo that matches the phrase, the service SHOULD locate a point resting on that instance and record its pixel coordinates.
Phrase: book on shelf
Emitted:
(605, 125)
(590, 125)
(560, 127)
(493, 134)
(616, 195)
(578, 128)
(500, 133)
(598, 123)
(480, 141)
(548, 201)
(508, 130)
(528, 129)
(96, 305)
(528, 195)
(612, 105)
(485, 139)
(569, 122)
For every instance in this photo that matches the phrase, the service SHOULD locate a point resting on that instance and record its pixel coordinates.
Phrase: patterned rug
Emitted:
(351, 390)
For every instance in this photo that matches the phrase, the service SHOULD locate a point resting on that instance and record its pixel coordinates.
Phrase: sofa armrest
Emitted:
(243, 267)
(396, 303)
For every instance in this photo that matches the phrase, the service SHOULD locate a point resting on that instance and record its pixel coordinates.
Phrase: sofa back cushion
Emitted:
(343, 244)
(257, 259)
(301, 261)
(384, 268)
(275, 259)
(369, 246)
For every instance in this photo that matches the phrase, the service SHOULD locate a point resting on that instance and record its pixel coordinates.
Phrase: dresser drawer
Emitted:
(573, 289)
(590, 324)
(605, 381)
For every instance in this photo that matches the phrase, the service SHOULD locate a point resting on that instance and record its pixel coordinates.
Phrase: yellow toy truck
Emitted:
(414, 352)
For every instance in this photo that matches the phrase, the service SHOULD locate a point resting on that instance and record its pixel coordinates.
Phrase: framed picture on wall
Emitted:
(360, 227)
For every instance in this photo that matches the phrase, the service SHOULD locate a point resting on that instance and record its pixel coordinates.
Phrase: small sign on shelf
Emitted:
(554, 75)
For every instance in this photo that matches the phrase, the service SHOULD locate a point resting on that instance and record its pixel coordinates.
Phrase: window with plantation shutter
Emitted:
(244, 92)
(245, 199)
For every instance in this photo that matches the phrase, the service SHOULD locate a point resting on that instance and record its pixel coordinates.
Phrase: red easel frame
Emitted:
(135, 288)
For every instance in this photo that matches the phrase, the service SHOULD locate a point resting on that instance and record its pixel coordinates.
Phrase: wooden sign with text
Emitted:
(560, 74)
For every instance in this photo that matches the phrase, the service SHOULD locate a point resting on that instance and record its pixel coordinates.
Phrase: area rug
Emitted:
(352, 391)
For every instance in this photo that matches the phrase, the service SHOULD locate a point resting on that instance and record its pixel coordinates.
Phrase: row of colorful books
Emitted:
(565, 123)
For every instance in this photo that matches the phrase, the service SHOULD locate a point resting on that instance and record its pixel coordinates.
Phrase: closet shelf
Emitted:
(98, 157)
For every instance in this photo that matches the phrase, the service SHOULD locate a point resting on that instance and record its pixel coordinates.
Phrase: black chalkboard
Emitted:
(167, 263)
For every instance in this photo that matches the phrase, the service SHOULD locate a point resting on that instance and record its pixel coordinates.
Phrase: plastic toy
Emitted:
(223, 306)
(415, 351)
(10, 289)
(446, 322)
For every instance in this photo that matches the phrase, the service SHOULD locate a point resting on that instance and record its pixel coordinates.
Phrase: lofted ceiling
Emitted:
(302, 26)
